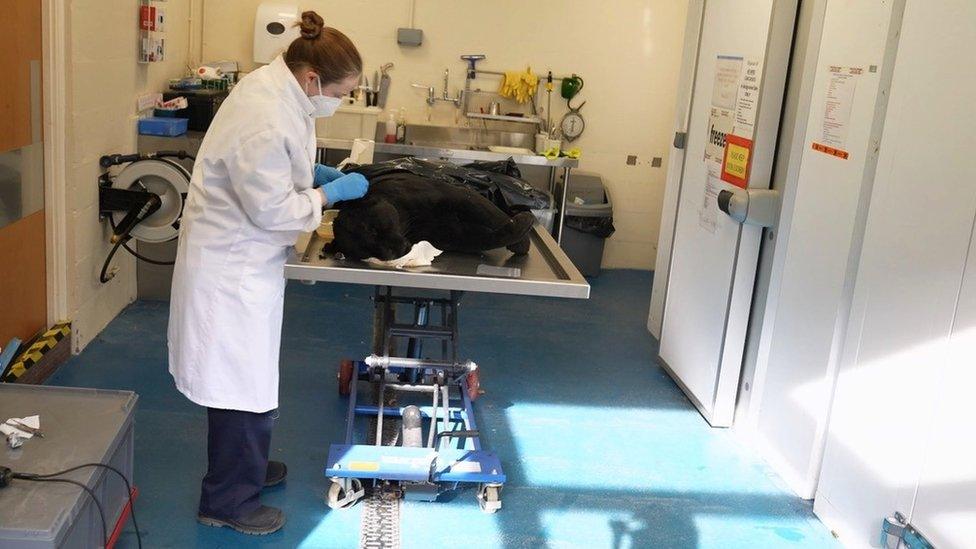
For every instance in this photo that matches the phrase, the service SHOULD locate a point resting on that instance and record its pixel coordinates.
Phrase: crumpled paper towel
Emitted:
(15, 436)
(421, 254)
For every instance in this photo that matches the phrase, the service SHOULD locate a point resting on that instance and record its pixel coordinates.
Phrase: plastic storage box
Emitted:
(166, 127)
(202, 106)
(80, 426)
(586, 224)
(349, 122)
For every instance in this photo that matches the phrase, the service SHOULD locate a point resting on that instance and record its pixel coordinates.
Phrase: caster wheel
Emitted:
(344, 375)
(337, 498)
(490, 498)
(474, 385)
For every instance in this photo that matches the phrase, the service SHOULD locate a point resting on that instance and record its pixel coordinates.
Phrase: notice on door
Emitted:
(747, 100)
(836, 120)
(735, 100)
(721, 119)
(708, 213)
(725, 88)
(721, 122)
(731, 130)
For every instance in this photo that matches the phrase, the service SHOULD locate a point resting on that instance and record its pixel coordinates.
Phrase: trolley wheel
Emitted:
(474, 385)
(490, 497)
(336, 496)
(344, 375)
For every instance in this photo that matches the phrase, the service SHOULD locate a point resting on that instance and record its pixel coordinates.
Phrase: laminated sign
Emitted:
(736, 161)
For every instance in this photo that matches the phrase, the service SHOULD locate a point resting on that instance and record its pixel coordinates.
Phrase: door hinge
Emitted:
(897, 533)
(679, 139)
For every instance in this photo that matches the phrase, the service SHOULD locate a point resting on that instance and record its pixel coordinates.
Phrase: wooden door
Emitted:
(23, 301)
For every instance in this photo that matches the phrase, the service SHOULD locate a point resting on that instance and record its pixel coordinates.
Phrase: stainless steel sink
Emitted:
(472, 139)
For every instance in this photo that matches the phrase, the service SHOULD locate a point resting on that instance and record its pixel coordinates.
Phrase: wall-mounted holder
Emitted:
(152, 18)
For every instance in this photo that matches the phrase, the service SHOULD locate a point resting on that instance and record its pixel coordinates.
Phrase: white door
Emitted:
(901, 435)
(739, 82)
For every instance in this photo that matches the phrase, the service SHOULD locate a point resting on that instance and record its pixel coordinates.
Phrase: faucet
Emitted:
(432, 97)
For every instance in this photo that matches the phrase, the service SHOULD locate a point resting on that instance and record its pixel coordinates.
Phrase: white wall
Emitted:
(103, 81)
(901, 434)
(628, 51)
(808, 294)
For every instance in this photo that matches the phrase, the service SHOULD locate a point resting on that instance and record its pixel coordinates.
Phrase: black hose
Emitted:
(172, 154)
(117, 159)
(104, 277)
(136, 254)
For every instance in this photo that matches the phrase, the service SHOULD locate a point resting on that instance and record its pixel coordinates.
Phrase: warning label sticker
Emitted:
(839, 153)
(735, 162)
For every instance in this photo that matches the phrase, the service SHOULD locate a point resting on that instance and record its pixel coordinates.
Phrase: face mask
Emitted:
(324, 106)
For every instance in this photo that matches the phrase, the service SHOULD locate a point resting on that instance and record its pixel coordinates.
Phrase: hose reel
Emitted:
(144, 201)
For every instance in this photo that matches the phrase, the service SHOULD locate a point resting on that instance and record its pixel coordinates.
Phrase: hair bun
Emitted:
(311, 25)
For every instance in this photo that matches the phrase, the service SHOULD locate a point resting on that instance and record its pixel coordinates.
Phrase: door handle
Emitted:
(750, 206)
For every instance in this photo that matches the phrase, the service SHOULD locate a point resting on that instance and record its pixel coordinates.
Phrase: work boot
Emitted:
(264, 520)
(277, 471)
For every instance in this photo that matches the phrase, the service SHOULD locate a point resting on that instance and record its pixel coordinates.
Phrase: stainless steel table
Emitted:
(544, 271)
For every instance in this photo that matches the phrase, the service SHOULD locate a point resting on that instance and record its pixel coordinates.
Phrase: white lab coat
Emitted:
(250, 197)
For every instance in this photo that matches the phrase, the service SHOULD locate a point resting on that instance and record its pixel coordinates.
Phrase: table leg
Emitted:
(562, 206)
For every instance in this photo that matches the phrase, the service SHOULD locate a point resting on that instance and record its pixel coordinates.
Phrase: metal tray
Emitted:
(545, 271)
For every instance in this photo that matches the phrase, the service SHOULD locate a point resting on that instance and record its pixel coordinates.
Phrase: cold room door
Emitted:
(739, 81)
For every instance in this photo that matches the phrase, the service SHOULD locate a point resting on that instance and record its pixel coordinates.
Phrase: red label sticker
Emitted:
(737, 160)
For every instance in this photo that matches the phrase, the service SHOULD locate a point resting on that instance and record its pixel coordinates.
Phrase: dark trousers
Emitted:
(237, 462)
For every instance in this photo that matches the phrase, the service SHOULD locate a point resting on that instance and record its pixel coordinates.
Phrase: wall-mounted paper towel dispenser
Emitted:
(274, 29)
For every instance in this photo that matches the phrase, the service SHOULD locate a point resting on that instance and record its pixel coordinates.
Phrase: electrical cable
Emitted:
(101, 511)
(128, 488)
(49, 477)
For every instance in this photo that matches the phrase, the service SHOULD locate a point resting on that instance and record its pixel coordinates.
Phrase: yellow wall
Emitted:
(104, 79)
(627, 50)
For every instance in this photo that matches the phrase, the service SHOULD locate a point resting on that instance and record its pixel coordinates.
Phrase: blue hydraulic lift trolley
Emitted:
(411, 430)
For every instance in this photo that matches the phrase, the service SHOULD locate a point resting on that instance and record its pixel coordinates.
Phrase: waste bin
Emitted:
(588, 222)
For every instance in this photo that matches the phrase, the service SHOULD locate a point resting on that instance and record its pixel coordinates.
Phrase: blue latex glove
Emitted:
(325, 174)
(348, 187)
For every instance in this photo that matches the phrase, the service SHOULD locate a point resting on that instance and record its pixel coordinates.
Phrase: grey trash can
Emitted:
(588, 223)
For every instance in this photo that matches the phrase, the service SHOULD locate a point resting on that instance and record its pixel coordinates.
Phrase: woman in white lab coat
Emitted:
(255, 188)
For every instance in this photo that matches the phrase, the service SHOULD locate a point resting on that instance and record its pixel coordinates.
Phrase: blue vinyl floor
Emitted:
(600, 447)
